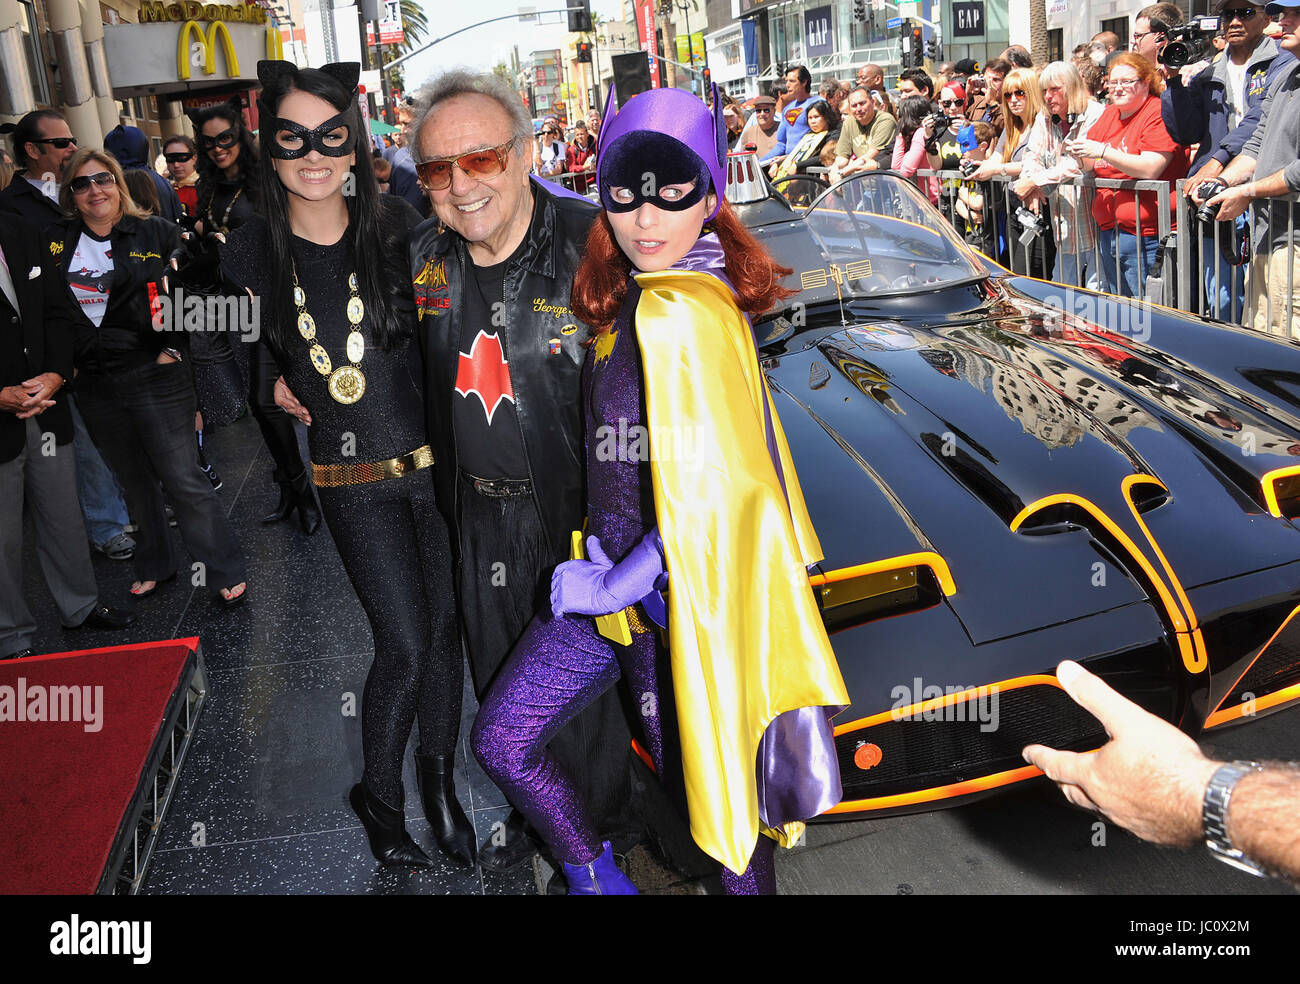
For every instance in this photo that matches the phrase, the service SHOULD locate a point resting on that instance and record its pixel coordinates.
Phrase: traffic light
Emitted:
(932, 50)
(860, 10)
(708, 81)
(584, 52)
(579, 16)
(918, 55)
(904, 55)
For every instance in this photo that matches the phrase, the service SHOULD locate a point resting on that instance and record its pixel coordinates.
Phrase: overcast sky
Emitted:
(484, 46)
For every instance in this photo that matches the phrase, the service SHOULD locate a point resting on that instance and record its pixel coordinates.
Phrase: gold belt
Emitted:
(637, 620)
(327, 476)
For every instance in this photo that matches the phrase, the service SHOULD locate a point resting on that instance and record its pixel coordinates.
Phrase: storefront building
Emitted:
(139, 62)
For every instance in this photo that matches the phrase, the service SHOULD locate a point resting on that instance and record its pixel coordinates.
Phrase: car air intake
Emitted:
(943, 745)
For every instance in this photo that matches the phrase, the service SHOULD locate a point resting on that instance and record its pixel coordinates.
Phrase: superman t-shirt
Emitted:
(489, 443)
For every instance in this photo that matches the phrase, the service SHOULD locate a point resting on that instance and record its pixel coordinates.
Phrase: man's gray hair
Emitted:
(459, 82)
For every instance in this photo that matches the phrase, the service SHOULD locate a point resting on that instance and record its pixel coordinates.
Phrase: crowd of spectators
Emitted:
(1025, 138)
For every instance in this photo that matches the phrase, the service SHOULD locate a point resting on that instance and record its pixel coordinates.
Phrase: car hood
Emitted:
(1043, 458)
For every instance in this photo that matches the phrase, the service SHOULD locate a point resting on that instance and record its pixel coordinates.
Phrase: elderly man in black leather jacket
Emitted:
(503, 360)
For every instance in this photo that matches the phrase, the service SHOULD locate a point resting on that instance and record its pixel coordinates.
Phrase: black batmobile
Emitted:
(1005, 473)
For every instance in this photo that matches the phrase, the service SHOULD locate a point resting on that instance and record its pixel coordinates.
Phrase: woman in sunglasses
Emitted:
(550, 157)
(228, 371)
(1022, 103)
(133, 379)
(668, 282)
(328, 260)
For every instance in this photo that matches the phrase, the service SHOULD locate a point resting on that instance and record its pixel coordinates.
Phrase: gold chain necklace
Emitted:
(224, 227)
(346, 384)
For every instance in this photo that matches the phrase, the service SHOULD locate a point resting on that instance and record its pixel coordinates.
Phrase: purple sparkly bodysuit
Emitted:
(560, 665)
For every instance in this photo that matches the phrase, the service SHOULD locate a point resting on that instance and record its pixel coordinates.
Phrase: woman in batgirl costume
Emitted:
(707, 532)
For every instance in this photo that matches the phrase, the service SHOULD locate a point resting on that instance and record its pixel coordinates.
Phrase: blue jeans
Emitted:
(1072, 268)
(1134, 262)
(101, 498)
(1231, 282)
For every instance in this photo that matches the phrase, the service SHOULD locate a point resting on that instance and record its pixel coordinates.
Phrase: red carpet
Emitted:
(65, 785)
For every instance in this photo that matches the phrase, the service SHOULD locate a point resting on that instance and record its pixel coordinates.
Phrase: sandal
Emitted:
(230, 601)
(156, 585)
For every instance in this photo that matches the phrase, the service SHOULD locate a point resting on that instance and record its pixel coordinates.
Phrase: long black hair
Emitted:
(376, 234)
(209, 176)
(912, 112)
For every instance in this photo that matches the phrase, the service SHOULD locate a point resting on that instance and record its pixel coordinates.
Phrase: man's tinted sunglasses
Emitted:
(435, 175)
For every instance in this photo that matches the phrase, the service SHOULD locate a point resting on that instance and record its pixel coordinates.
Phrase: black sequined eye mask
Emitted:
(643, 163)
(291, 140)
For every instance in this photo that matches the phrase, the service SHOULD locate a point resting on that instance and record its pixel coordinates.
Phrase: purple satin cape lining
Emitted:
(797, 770)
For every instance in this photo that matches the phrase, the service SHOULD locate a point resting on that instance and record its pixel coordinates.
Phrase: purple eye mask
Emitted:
(643, 162)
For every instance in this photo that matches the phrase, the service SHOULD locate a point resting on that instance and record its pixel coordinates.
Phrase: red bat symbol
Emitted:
(485, 373)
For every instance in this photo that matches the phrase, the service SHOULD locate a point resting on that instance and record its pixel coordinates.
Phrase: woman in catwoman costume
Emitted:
(229, 194)
(330, 269)
(738, 711)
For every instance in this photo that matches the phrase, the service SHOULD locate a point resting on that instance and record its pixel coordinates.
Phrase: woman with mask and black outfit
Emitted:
(331, 272)
(228, 197)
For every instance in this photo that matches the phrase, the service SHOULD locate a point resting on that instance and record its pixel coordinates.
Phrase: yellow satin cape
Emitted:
(746, 640)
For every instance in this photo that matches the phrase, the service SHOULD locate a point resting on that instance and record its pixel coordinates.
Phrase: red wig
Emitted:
(600, 284)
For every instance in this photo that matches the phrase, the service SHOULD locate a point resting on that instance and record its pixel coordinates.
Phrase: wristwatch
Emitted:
(1214, 815)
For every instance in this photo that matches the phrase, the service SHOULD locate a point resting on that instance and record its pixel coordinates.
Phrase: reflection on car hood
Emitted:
(941, 436)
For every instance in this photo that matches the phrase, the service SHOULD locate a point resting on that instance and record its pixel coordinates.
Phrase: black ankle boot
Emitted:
(304, 500)
(451, 828)
(284, 508)
(386, 828)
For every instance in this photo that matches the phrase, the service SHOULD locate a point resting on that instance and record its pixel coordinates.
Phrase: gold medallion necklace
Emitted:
(346, 384)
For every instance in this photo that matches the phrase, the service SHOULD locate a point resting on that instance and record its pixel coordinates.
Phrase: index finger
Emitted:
(1117, 713)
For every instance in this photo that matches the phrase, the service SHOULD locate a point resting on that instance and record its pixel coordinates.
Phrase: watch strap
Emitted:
(1214, 814)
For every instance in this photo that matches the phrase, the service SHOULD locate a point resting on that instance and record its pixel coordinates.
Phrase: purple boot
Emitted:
(600, 877)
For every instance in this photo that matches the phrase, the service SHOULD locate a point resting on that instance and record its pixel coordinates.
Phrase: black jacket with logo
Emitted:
(125, 338)
(543, 342)
(34, 339)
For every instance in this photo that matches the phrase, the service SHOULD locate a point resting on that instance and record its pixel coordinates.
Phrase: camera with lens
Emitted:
(941, 122)
(1032, 225)
(1190, 42)
(1207, 190)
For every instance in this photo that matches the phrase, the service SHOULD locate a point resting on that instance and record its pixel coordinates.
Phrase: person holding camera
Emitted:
(1129, 140)
(1201, 105)
(911, 153)
(1273, 151)
(1029, 248)
(1151, 29)
(1068, 111)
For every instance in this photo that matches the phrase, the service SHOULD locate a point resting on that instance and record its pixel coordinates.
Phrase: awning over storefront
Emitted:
(188, 47)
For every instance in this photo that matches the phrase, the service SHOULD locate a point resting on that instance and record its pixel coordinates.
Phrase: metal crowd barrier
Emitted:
(1159, 282)
(573, 182)
(1234, 287)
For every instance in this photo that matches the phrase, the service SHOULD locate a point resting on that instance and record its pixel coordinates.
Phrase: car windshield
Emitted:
(884, 237)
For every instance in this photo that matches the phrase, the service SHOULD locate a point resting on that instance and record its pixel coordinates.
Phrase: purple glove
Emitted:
(598, 586)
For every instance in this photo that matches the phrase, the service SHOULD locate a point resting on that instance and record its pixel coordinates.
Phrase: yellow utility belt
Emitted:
(328, 476)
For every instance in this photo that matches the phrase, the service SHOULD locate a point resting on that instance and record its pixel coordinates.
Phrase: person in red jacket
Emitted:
(580, 157)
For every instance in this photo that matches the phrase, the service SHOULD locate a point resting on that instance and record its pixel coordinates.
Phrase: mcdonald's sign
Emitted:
(216, 30)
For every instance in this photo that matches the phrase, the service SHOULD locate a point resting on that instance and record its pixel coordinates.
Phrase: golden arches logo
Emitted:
(216, 30)
(274, 43)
